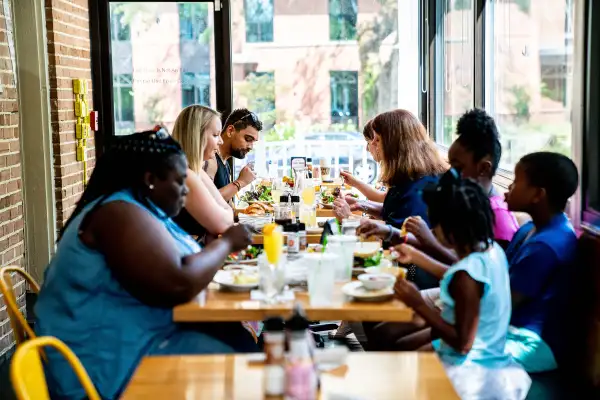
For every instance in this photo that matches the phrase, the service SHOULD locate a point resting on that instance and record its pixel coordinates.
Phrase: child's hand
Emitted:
(404, 254)
(418, 227)
(408, 293)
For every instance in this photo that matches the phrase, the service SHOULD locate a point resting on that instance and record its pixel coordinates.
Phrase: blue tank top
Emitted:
(83, 304)
(491, 269)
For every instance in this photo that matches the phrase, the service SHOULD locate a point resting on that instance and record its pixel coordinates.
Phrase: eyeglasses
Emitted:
(255, 122)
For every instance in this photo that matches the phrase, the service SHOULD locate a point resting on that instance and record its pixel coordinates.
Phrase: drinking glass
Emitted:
(342, 246)
(321, 278)
(271, 278)
(308, 215)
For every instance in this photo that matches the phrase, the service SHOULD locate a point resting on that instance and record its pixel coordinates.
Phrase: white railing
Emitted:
(343, 154)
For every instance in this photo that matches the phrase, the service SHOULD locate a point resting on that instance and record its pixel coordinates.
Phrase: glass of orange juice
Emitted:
(271, 271)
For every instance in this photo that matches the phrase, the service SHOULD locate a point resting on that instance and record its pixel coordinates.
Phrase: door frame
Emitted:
(102, 62)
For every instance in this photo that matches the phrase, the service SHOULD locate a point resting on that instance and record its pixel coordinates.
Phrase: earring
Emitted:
(151, 187)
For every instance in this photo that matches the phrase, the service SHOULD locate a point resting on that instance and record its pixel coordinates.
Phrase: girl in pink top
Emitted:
(476, 154)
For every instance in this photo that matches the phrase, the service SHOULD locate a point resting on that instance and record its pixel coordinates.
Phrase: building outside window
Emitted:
(195, 89)
(123, 103)
(344, 97)
(193, 20)
(119, 29)
(342, 19)
(259, 20)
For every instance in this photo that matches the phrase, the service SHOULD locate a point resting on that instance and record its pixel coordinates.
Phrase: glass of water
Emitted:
(271, 278)
(342, 246)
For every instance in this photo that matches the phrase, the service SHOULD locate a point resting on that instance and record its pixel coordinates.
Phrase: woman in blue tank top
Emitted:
(122, 265)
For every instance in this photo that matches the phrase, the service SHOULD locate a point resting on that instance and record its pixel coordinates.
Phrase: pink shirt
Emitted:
(506, 224)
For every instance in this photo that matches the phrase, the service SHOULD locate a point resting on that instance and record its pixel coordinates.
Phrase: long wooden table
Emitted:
(380, 376)
(219, 306)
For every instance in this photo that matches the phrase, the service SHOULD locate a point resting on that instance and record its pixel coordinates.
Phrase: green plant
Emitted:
(521, 103)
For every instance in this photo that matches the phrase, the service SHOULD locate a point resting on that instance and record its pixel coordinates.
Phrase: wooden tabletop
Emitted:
(228, 306)
(380, 376)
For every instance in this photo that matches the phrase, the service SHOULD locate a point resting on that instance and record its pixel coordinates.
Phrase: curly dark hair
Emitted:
(242, 118)
(463, 211)
(477, 132)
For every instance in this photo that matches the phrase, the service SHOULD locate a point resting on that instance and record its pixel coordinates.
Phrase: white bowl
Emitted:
(376, 281)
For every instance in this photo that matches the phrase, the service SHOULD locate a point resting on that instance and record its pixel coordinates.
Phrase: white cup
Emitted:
(342, 246)
(320, 278)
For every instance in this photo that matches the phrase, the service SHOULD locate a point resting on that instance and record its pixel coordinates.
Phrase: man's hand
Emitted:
(247, 176)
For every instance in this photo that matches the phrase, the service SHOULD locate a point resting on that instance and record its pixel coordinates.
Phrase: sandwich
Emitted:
(367, 254)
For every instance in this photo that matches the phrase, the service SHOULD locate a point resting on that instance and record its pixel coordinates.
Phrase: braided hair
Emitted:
(463, 211)
(124, 163)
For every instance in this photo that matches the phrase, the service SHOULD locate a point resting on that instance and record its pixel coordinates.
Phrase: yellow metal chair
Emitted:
(20, 327)
(27, 372)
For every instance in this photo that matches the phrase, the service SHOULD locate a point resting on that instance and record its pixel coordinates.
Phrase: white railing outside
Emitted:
(349, 155)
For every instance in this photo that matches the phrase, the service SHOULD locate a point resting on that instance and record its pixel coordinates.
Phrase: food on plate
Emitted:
(258, 209)
(398, 272)
(241, 277)
(355, 195)
(251, 253)
(261, 193)
(314, 248)
(337, 192)
(367, 255)
(328, 196)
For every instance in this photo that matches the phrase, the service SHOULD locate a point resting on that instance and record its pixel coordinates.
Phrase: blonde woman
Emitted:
(198, 130)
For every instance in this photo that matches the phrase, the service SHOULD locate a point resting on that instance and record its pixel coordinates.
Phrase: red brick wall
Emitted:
(67, 25)
(12, 245)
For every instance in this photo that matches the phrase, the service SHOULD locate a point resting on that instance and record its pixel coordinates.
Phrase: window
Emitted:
(342, 19)
(171, 62)
(529, 77)
(314, 95)
(259, 20)
(119, 29)
(195, 89)
(454, 66)
(123, 103)
(344, 97)
(193, 20)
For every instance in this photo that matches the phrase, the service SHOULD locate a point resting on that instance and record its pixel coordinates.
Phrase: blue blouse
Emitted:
(84, 305)
(403, 201)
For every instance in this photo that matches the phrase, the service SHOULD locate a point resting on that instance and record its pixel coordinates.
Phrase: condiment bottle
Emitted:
(296, 207)
(309, 167)
(300, 372)
(293, 244)
(274, 345)
(302, 239)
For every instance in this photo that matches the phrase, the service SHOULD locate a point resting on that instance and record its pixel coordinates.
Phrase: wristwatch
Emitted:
(390, 234)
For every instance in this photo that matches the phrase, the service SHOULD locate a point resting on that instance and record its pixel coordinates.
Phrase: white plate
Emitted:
(225, 280)
(244, 262)
(242, 267)
(314, 231)
(357, 291)
(326, 206)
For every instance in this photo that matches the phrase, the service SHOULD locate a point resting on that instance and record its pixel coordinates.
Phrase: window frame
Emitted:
(591, 140)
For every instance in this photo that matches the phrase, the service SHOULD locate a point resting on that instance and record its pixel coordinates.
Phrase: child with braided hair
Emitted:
(475, 294)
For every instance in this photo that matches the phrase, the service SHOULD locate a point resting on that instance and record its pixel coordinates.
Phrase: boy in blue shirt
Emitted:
(539, 256)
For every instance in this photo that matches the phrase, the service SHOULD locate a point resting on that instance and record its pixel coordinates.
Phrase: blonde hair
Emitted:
(408, 151)
(189, 129)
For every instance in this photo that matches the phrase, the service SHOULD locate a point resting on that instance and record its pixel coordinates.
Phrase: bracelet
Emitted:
(237, 185)
(363, 206)
(389, 236)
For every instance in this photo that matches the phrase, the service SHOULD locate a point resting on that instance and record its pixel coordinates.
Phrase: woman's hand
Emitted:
(239, 237)
(408, 293)
(418, 227)
(369, 227)
(404, 254)
(352, 201)
(349, 179)
(341, 208)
